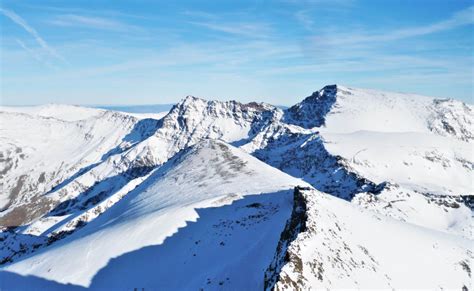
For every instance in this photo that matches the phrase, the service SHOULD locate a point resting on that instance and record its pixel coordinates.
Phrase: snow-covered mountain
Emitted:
(108, 189)
(41, 152)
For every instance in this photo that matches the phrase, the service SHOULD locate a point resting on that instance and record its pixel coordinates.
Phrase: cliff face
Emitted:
(312, 111)
(294, 226)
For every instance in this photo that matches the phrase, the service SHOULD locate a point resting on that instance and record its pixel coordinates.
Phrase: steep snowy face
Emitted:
(212, 215)
(344, 246)
(312, 111)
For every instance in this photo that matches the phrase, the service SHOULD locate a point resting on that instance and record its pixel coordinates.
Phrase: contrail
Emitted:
(21, 22)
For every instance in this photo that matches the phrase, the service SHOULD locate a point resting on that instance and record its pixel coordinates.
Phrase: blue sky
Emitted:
(150, 52)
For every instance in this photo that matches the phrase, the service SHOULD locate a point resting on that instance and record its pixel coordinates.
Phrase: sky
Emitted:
(157, 52)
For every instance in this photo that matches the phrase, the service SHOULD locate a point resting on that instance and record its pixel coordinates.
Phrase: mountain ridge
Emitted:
(347, 155)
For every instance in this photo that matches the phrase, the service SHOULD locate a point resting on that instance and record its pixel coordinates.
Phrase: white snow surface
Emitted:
(210, 217)
(420, 161)
(409, 206)
(58, 111)
(346, 247)
(372, 110)
(37, 146)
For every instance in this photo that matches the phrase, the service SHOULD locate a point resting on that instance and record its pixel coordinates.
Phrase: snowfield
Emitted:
(349, 188)
(420, 161)
(57, 111)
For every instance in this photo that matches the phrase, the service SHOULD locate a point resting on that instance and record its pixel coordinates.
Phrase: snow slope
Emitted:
(345, 246)
(340, 109)
(422, 161)
(450, 214)
(39, 152)
(76, 112)
(57, 111)
(212, 212)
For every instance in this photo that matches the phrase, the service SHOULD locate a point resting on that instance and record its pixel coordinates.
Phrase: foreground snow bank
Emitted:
(345, 246)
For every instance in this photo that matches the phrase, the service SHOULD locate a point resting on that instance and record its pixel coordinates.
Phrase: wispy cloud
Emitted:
(297, 45)
(304, 17)
(34, 54)
(91, 22)
(225, 23)
(307, 9)
(322, 2)
(254, 30)
(199, 14)
(21, 22)
(215, 56)
(461, 18)
(83, 11)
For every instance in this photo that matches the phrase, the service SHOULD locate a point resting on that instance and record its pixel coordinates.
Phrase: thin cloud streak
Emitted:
(464, 17)
(255, 30)
(214, 56)
(34, 54)
(322, 2)
(303, 16)
(75, 20)
(74, 10)
(21, 22)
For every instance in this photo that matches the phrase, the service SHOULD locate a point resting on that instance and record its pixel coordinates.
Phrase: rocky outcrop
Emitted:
(312, 111)
(305, 156)
(296, 224)
(452, 118)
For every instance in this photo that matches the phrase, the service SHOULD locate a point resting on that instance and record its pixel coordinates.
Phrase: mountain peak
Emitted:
(190, 99)
(230, 109)
(330, 87)
(312, 110)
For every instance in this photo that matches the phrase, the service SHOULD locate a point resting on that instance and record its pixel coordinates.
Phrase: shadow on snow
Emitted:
(229, 244)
